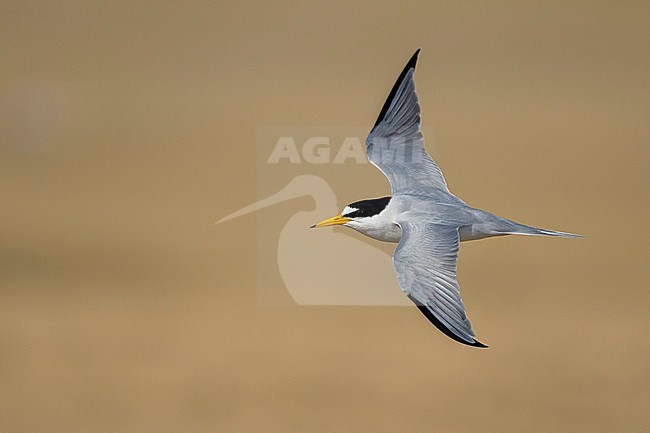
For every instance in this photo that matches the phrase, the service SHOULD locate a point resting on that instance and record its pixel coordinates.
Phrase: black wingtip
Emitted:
(413, 60)
(410, 65)
(438, 324)
(479, 345)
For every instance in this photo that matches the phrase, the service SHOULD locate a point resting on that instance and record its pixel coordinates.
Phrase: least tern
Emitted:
(426, 220)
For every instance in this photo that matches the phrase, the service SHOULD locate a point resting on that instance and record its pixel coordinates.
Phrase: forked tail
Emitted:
(492, 225)
(534, 231)
(507, 227)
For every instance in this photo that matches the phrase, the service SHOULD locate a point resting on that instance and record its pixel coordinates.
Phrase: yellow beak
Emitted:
(334, 221)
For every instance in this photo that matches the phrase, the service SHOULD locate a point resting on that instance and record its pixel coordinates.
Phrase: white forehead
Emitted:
(348, 210)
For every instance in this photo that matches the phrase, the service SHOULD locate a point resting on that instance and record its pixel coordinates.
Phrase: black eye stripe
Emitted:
(368, 208)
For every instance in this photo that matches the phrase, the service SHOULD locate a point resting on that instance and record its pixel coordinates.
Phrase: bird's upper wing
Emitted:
(425, 262)
(395, 144)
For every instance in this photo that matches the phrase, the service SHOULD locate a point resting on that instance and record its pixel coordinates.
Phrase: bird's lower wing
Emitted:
(425, 262)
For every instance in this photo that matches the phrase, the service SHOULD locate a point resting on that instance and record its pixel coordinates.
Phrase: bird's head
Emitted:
(355, 214)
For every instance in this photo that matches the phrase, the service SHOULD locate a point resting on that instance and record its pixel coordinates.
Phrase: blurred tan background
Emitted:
(127, 129)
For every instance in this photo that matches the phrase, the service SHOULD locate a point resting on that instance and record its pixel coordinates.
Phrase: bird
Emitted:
(421, 215)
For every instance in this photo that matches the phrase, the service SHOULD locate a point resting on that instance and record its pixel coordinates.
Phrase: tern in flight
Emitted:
(426, 220)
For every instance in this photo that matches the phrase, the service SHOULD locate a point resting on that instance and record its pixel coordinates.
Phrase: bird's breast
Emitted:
(387, 232)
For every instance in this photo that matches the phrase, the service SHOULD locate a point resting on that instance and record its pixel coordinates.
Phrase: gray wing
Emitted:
(425, 262)
(396, 146)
